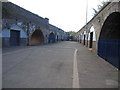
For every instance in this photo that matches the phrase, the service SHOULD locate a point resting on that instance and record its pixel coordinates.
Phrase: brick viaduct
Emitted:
(21, 27)
(101, 34)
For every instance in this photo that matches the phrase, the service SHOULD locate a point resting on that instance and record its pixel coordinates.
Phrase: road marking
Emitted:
(75, 83)
(75, 68)
(75, 72)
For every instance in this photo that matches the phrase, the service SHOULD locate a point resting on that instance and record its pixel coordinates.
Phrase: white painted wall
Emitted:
(22, 32)
(94, 35)
(6, 32)
(84, 33)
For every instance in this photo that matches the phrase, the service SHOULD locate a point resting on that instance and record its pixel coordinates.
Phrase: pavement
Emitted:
(60, 65)
(94, 72)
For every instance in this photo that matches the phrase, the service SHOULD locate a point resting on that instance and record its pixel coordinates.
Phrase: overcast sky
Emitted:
(65, 14)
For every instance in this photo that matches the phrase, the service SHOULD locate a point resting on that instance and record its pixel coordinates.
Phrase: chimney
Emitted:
(47, 19)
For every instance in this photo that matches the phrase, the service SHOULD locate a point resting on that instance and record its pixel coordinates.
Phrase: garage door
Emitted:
(14, 37)
(52, 38)
(109, 40)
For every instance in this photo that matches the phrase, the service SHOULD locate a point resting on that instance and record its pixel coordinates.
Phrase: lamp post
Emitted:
(86, 10)
(86, 22)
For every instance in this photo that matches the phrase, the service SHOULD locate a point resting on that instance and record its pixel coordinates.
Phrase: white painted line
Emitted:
(75, 72)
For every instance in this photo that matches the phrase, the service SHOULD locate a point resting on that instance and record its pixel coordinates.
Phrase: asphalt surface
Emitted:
(59, 65)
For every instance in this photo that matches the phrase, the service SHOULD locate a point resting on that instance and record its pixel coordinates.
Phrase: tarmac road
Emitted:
(59, 65)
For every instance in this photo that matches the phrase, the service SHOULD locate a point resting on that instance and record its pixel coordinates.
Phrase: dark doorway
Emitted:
(57, 38)
(109, 40)
(37, 38)
(91, 39)
(14, 38)
(84, 40)
(87, 41)
(80, 38)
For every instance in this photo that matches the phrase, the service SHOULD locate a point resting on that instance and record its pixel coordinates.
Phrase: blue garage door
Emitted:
(52, 38)
(14, 37)
(109, 40)
(110, 51)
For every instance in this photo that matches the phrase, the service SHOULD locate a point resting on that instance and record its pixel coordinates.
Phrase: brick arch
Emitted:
(109, 39)
(52, 37)
(107, 15)
(37, 37)
(92, 38)
(112, 22)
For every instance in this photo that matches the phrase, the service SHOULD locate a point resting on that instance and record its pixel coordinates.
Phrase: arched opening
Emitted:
(87, 35)
(37, 37)
(52, 38)
(109, 39)
(81, 38)
(92, 39)
(84, 40)
(57, 38)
